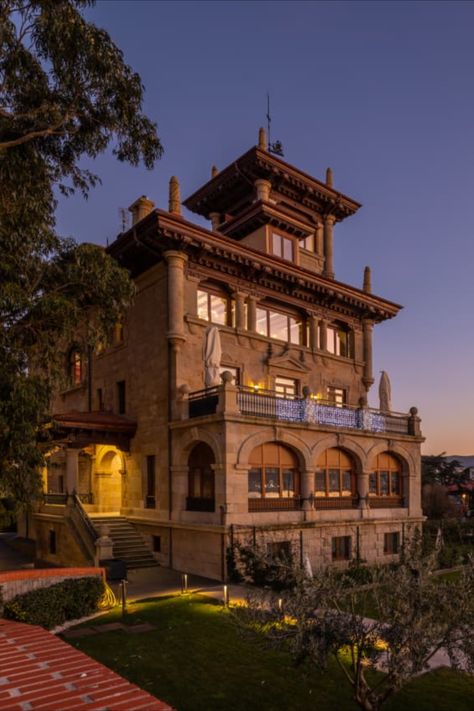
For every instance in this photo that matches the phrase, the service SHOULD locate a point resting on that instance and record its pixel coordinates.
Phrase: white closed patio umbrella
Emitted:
(212, 357)
(385, 392)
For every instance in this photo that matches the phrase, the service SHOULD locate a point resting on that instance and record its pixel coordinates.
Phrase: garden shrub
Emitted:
(49, 607)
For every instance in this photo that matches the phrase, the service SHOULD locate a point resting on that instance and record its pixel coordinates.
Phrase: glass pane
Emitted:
(272, 483)
(383, 476)
(333, 482)
(203, 305)
(287, 249)
(296, 331)
(218, 309)
(262, 326)
(288, 483)
(346, 483)
(255, 483)
(278, 326)
(320, 483)
(195, 482)
(207, 484)
(372, 483)
(341, 343)
(331, 339)
(395, 481)
(276, 245)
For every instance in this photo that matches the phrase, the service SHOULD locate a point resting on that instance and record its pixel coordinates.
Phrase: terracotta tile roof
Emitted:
(40, 671)
(96, 421)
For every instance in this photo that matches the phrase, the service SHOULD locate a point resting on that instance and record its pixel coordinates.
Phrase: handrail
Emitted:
(85, 520)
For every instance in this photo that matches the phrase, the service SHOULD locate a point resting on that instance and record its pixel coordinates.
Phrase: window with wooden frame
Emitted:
(391, 543)
(339, 340)
(386, 478)
(342, 548)
(282, 246)
(335, 475)
(75, 366)
(273, 473)
(279, 325)
(286, 387)
(201, 478)
(308, 243)
(215, 306)
(336, 396)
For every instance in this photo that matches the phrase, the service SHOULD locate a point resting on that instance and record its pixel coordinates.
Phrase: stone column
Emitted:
(215, 221)
(307, 489)
(329, 246)
(240, 310)
(368, 377)
(263, 188)
(252, 313)
(319, 239)
(72, 470)
(323, 343)
(176, 262)
(313, 332)
(363, 489)
(227, 395)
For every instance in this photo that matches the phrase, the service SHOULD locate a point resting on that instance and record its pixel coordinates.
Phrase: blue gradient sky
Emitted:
(380, 91)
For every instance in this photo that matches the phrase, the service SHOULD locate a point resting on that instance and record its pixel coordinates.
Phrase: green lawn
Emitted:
(196, 661)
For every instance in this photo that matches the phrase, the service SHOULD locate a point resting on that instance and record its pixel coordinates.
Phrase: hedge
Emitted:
(49, 607)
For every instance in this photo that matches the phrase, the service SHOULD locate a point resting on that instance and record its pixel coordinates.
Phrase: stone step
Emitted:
(128, 545)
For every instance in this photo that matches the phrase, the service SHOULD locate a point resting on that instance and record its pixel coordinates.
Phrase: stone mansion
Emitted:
(231, 403)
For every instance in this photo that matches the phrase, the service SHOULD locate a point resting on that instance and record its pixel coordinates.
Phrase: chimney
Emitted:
(141, 208)
(367, 281)
(262, 139)
(214, 171)
(174, 204)
(329, 182)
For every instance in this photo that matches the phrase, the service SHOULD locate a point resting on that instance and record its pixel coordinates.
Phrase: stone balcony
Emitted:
(266, 404)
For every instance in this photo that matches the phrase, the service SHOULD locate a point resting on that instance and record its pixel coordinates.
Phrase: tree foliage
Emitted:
(65, 93)
(381, 636)
(437, 469)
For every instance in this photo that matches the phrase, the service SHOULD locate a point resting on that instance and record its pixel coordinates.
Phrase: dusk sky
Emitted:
(383, 93)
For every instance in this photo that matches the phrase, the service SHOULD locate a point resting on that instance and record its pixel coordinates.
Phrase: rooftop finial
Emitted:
(262, 139)
(367, 280)
(174, 197)
(329, 181)
(214, 171)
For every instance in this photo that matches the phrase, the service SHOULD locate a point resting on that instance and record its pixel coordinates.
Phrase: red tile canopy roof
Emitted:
(40, 671)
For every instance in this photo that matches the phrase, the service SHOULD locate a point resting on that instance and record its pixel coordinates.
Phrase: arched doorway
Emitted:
(109, 481)
(273, 478)
(201, 484)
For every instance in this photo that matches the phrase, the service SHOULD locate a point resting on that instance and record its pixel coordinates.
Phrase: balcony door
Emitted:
(201, 493)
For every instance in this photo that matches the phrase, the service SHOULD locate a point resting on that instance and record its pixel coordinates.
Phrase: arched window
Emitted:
(386, 477)
(273, 479)
(75, 366)
(201, 479)
(335, 475)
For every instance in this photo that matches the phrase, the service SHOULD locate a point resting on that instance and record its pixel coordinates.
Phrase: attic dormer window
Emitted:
(283, 246)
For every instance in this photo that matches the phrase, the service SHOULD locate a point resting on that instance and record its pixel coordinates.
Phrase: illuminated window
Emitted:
(391, 542)
(215, 308)
(118, 333)
(335, 475)
(273, 472)
(280, 326)
(342, 548)
(75, 367)
(339, 340)
(282, 246)
(285, 387)
(235, 372)
(386, 480)
(336, 396)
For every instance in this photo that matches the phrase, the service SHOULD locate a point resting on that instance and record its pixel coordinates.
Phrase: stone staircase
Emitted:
(129, 546)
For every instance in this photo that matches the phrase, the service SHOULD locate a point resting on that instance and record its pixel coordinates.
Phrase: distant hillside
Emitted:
(465, 460)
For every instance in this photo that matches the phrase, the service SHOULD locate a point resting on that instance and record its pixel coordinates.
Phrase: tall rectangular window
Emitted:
(342, 548)
(150, 500)
(339, 341)
(285, 387)
(121, 403)
(214, 308)
(391, 543)
(282, 246)
(280, 326)
(337, 396)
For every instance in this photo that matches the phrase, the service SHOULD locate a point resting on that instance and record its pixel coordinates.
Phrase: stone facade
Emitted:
(298, 348)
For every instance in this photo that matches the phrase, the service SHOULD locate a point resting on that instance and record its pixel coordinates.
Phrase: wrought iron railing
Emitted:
(264, 403)
(55, 497)
(86, 523)
(86, 497)
(203, 402)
